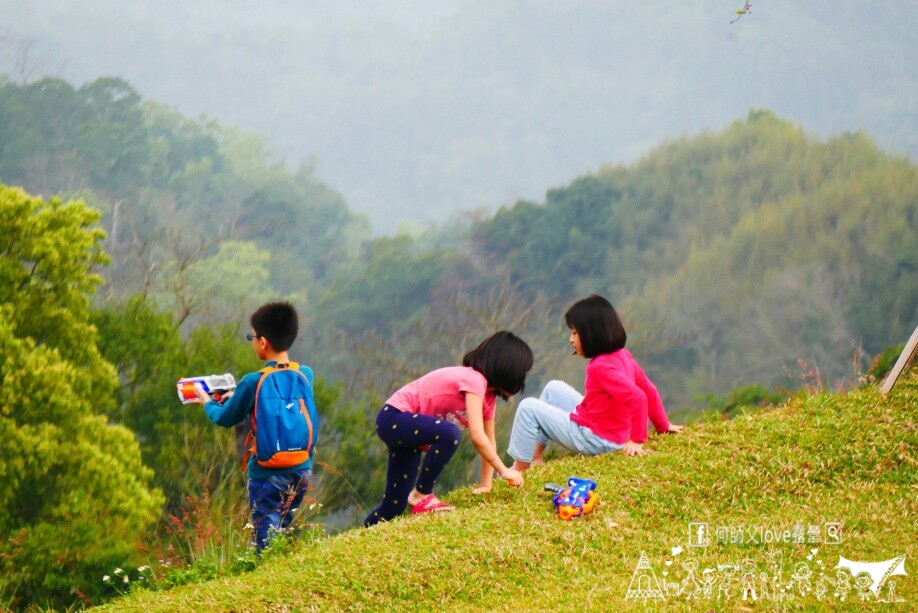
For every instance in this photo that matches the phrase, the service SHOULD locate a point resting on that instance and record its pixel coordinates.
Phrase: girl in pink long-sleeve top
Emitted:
(619, 399)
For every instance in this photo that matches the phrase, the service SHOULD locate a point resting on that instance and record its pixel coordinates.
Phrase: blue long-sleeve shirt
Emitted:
(239, 407)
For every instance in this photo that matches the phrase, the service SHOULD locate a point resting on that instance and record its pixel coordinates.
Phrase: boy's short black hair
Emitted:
(504, 359)
(277, 322)
(598, 326)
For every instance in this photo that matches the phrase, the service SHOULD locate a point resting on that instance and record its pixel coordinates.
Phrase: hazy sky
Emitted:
(416, 109)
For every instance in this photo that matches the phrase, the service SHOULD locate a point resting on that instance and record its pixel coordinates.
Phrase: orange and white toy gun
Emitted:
(216, 386)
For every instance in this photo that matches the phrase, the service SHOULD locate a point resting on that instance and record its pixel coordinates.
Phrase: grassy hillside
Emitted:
(822, 458)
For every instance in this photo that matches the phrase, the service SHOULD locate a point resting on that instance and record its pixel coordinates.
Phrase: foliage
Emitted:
(745, 397)
(172, 191)
(224, 286)
(398, 279)
(62, 462)
(885, 361)
(65, 139)
(550, 246)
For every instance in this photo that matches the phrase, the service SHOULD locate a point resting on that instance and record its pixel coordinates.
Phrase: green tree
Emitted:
(112, 138)
(397, 279)
(189, 455)
(76, 495)
(553, 246)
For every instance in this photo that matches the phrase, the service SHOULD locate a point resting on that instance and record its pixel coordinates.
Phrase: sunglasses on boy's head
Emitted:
(252, 336)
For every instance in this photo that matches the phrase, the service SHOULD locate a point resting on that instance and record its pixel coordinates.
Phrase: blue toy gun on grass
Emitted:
(575, 500)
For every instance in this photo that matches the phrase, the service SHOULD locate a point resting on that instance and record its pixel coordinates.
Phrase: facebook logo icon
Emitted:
(699, 534)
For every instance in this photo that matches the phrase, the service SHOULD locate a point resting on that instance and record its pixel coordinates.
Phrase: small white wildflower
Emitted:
(143, 569)
(249, 526)
(126, 580)
(118, 571)
(106, 578)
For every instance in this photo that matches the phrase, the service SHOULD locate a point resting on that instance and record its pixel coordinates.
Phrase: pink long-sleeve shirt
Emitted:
(619, 399)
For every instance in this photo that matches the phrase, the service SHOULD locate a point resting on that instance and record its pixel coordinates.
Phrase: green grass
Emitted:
(847, 458)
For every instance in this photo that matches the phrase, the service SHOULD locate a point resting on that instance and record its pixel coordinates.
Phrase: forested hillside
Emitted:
(735, 254)
(731, 256)
(174, 193)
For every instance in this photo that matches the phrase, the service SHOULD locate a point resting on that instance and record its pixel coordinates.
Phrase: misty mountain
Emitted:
(415, 110)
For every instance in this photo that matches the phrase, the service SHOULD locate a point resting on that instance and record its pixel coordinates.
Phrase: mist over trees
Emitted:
(415, 110)
(149, 237)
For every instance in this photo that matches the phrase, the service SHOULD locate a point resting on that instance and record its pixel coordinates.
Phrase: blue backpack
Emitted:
(285, 423)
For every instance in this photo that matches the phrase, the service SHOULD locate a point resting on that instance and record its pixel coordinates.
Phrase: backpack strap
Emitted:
(250, 437)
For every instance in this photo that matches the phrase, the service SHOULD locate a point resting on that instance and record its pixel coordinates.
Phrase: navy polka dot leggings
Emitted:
(404, 434)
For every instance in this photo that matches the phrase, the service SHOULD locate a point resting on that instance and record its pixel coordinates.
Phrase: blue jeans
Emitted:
(274, 501)
(547, 418)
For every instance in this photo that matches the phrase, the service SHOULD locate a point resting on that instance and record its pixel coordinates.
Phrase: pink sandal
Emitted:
(431, 504)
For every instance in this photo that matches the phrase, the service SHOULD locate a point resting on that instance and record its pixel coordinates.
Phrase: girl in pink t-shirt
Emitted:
(619, 399)
(426, 415)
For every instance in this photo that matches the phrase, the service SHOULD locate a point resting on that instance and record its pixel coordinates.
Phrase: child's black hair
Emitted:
(598, 326)
(504, 359)
(277, 322)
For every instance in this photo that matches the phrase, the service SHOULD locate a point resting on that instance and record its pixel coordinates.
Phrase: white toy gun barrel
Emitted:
(217, 387)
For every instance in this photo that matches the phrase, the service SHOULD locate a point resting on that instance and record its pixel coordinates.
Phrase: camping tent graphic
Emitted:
(644, 584)
(879, 571)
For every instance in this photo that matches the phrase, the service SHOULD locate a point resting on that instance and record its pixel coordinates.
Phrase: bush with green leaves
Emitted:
(76, 496)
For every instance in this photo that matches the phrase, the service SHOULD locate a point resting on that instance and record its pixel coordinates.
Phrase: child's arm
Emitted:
(487, 471)
(655, 410)
(486, 448)
(629, 398)
(234, 409)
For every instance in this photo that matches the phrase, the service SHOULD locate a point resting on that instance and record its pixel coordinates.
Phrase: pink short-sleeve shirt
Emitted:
(441, 394)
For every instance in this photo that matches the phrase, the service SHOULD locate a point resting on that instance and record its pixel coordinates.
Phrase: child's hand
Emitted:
(674, 429)
(202, 395)
(633, 449)
(481, 489)
(513, 477)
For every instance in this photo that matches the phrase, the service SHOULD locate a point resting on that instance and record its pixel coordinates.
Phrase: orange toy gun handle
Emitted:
(187, 392)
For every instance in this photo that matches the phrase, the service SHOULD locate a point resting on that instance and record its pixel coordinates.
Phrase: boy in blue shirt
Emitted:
(275, 492)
